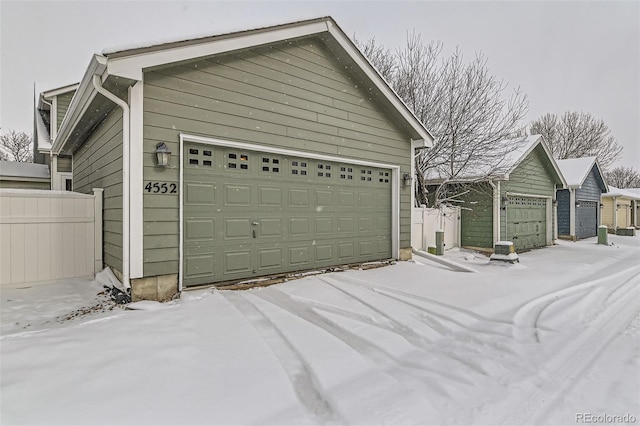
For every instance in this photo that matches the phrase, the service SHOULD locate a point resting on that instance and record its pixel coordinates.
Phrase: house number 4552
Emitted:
(161, 188)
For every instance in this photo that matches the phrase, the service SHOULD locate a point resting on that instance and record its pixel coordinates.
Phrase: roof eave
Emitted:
(85, 93)
(60, 91)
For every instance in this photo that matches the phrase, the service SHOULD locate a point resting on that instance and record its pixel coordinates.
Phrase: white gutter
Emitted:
(496, 211)
(97, 84)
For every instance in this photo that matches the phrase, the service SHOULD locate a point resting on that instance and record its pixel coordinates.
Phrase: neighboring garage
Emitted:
(620, 208)
(248, 212)
(579, 203)
(513, 203)
(288, 152)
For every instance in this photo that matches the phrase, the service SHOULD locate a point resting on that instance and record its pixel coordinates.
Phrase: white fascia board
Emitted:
(132, 66)
(80, 102)
(381, 84)
(60, 91)
(554, 164)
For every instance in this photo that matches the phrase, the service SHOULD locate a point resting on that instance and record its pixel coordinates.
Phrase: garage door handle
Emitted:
(254, 233)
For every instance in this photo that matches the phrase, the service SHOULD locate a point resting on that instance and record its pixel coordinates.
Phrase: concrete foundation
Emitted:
(406, 253)
(159, 288)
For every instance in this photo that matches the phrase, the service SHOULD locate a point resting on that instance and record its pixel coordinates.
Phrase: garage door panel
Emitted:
(271, 228)
(271, 258)
(324, 253)
(526, 222)
(270, 197)
(298, 198)
(299, 256)
(587, 219)
(200, 193)
(299, 226)
(346, 225)
(324, 198)
(237, 195)
(346, 251)
(324, 226)
(239, 228)
(200, 266)
(200, 229)
(254, 213)
(237, 261)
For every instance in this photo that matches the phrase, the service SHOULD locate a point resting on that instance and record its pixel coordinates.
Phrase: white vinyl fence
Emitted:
(48, 235)
(425, 223)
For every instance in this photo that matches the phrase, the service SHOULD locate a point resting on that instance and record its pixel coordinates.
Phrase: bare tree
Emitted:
(577, 134)
(623, 177)
(18, 144)
(467, 109)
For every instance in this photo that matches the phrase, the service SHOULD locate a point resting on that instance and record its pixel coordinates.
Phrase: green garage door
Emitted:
(526, 222)
(248, 213)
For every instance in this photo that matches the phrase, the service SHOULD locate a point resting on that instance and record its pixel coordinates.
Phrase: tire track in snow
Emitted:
(300, 374)
(410, 373)
(564, 369)
(527, 316)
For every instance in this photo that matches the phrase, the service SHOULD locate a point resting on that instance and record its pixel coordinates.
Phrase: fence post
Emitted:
(97, 229)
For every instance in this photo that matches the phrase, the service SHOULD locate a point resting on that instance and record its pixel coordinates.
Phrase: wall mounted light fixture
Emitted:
(163, 155)
(406, 179)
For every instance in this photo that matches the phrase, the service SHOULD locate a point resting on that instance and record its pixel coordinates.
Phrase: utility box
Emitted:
(505, 252)
(603, 235)
(439, 243)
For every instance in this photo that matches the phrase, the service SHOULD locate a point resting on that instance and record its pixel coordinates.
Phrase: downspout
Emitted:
(97, 83)
(496, 211)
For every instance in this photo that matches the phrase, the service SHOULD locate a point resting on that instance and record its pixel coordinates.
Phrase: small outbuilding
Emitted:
(620, 208)
(579, 203)
(24, 175)
(515, 204)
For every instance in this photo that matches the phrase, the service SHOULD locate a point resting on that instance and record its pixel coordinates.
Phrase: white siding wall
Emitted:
(48, 235)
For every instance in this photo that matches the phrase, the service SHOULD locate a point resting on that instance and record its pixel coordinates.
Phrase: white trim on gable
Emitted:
(132, 66)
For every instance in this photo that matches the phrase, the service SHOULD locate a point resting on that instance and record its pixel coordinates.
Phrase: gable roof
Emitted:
(519, 149)
(129, 64)
(631, 193)
(576, 171)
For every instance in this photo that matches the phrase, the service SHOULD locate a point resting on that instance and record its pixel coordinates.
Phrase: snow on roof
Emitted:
(576, 170)
(24, 170)
(199, 37)
(632, 193)
(43, 140)
(517, 149)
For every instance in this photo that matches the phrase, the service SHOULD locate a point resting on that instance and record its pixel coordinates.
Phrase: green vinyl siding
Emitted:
(291, 95)
(63, 102)
(98, 164)
(477, 217)
(64, 164)
(24, 184)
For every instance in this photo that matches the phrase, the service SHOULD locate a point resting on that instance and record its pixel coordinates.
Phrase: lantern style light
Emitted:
(163, 154)
(406, 179)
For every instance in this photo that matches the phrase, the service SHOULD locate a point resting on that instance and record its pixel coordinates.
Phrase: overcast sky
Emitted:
(582, 56)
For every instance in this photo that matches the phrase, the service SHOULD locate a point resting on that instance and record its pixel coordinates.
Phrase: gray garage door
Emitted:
(248, 214)
(526, 222)
(587, 219)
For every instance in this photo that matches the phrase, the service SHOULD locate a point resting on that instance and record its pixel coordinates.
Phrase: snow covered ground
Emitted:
(551, 340)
